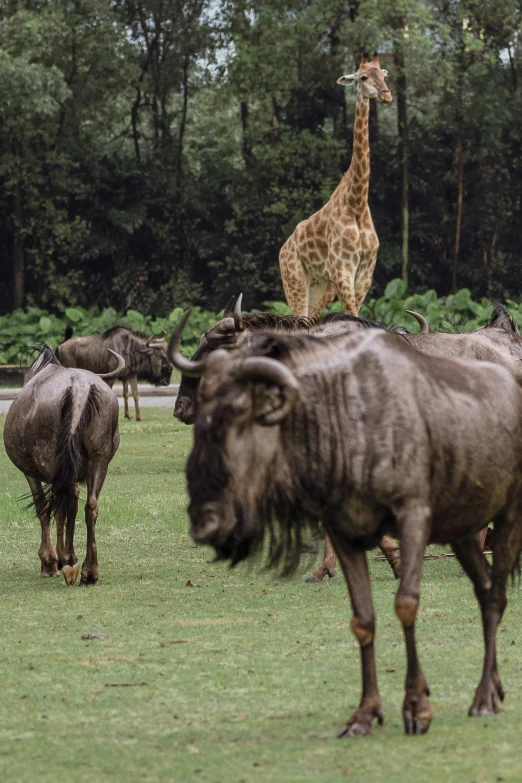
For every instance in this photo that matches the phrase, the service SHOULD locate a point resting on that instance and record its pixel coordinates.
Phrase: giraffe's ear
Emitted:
(384, 72)
(347, 80)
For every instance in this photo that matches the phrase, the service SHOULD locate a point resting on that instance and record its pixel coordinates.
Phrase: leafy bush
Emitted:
(23, 328)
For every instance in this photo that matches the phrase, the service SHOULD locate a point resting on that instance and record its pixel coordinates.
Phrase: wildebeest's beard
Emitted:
(234, 519)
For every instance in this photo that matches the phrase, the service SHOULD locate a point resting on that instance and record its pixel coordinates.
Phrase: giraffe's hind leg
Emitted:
(363, 278)
(294, 279)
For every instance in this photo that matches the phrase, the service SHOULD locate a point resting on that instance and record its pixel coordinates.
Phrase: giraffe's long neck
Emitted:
(358, 175)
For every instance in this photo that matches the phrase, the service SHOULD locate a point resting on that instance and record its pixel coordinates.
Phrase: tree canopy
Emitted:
(159, 152)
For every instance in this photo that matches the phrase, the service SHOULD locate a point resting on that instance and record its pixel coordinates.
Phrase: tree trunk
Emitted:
(402, 117)
(18, 250)
(182, 123)
(460, 197)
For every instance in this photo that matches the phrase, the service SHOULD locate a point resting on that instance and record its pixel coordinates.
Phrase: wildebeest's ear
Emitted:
(502, 320)
(271, 403)
(229, 307)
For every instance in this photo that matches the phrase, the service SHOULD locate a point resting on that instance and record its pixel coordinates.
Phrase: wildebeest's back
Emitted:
(32, 426)
(488, 345)
(401, 425)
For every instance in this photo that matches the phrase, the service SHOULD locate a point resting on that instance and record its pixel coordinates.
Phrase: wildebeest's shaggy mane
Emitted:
(367, 324)
(276, 322)
(110, 332)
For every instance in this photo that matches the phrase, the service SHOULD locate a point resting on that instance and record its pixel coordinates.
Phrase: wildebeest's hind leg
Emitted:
(391, 552)
(96, 472)
(507, 543)
(67, 559)
(136, 395)
(327, 567)
(471, 557)
(413, 525)
(355, 568)
(47, 552)
(125, 384)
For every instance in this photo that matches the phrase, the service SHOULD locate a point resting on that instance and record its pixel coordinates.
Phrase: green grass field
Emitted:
(243, 678)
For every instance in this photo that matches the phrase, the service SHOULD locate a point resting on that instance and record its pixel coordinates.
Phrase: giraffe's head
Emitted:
(369, 80)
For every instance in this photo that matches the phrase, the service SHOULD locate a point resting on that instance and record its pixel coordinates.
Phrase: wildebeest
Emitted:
(145, 358)
(61, 429)
(498, 342)
(371, 437)
(237, 329)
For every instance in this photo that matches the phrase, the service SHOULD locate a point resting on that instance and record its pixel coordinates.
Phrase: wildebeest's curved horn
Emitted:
(119, 369)
(238, 316)
(261, 368)
(187, 366)
(424, 325)
(156, 345)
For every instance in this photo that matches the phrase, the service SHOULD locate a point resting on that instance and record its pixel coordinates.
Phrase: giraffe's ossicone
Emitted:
(333, 252)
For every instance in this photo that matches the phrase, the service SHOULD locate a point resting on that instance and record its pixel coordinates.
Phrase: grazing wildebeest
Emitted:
(145, 358)
(61, 429)
(371, 437)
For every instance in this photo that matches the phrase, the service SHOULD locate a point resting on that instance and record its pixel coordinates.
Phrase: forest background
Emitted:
(159, 152)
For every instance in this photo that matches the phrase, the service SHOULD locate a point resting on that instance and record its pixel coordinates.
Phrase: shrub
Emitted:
(24, 328)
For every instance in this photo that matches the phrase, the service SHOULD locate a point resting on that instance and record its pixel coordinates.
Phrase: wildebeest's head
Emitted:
(231, 332)
(157, 370)
(226, 333)
(234, 460)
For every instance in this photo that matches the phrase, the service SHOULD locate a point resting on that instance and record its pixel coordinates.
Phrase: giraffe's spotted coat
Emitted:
(333, 252)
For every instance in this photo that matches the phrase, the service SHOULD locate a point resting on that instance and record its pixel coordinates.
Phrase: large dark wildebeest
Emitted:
(62, 429)
(371, 437)
(145, 358)
(498, 342)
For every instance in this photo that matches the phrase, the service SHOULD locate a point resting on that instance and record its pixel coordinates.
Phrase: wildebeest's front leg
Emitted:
(95, 477)
(67, 559)
(47, 552)
(507, 543)
(413, 524)
(134, 389)
(355, 568)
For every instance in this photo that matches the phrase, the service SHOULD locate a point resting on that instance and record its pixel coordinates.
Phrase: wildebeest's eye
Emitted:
(363, 78)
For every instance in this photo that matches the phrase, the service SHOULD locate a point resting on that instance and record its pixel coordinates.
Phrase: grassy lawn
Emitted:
(243, 678)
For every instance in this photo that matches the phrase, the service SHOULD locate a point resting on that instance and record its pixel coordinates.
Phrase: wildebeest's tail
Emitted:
(69, 455)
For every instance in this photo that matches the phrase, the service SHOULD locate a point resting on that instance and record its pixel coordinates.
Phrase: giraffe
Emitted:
(334, 251)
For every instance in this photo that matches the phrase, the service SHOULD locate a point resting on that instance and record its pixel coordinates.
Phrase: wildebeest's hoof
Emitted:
(138, 418)
(128, 417)
(89, 577)
(360, 724)
(320, 574)
(486, 698)
(417, 713)
(70, 573)
(49, 569)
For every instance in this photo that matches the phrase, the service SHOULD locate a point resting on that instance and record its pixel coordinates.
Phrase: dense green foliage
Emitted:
(158, 152)
(248, 678)
(22, 329)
